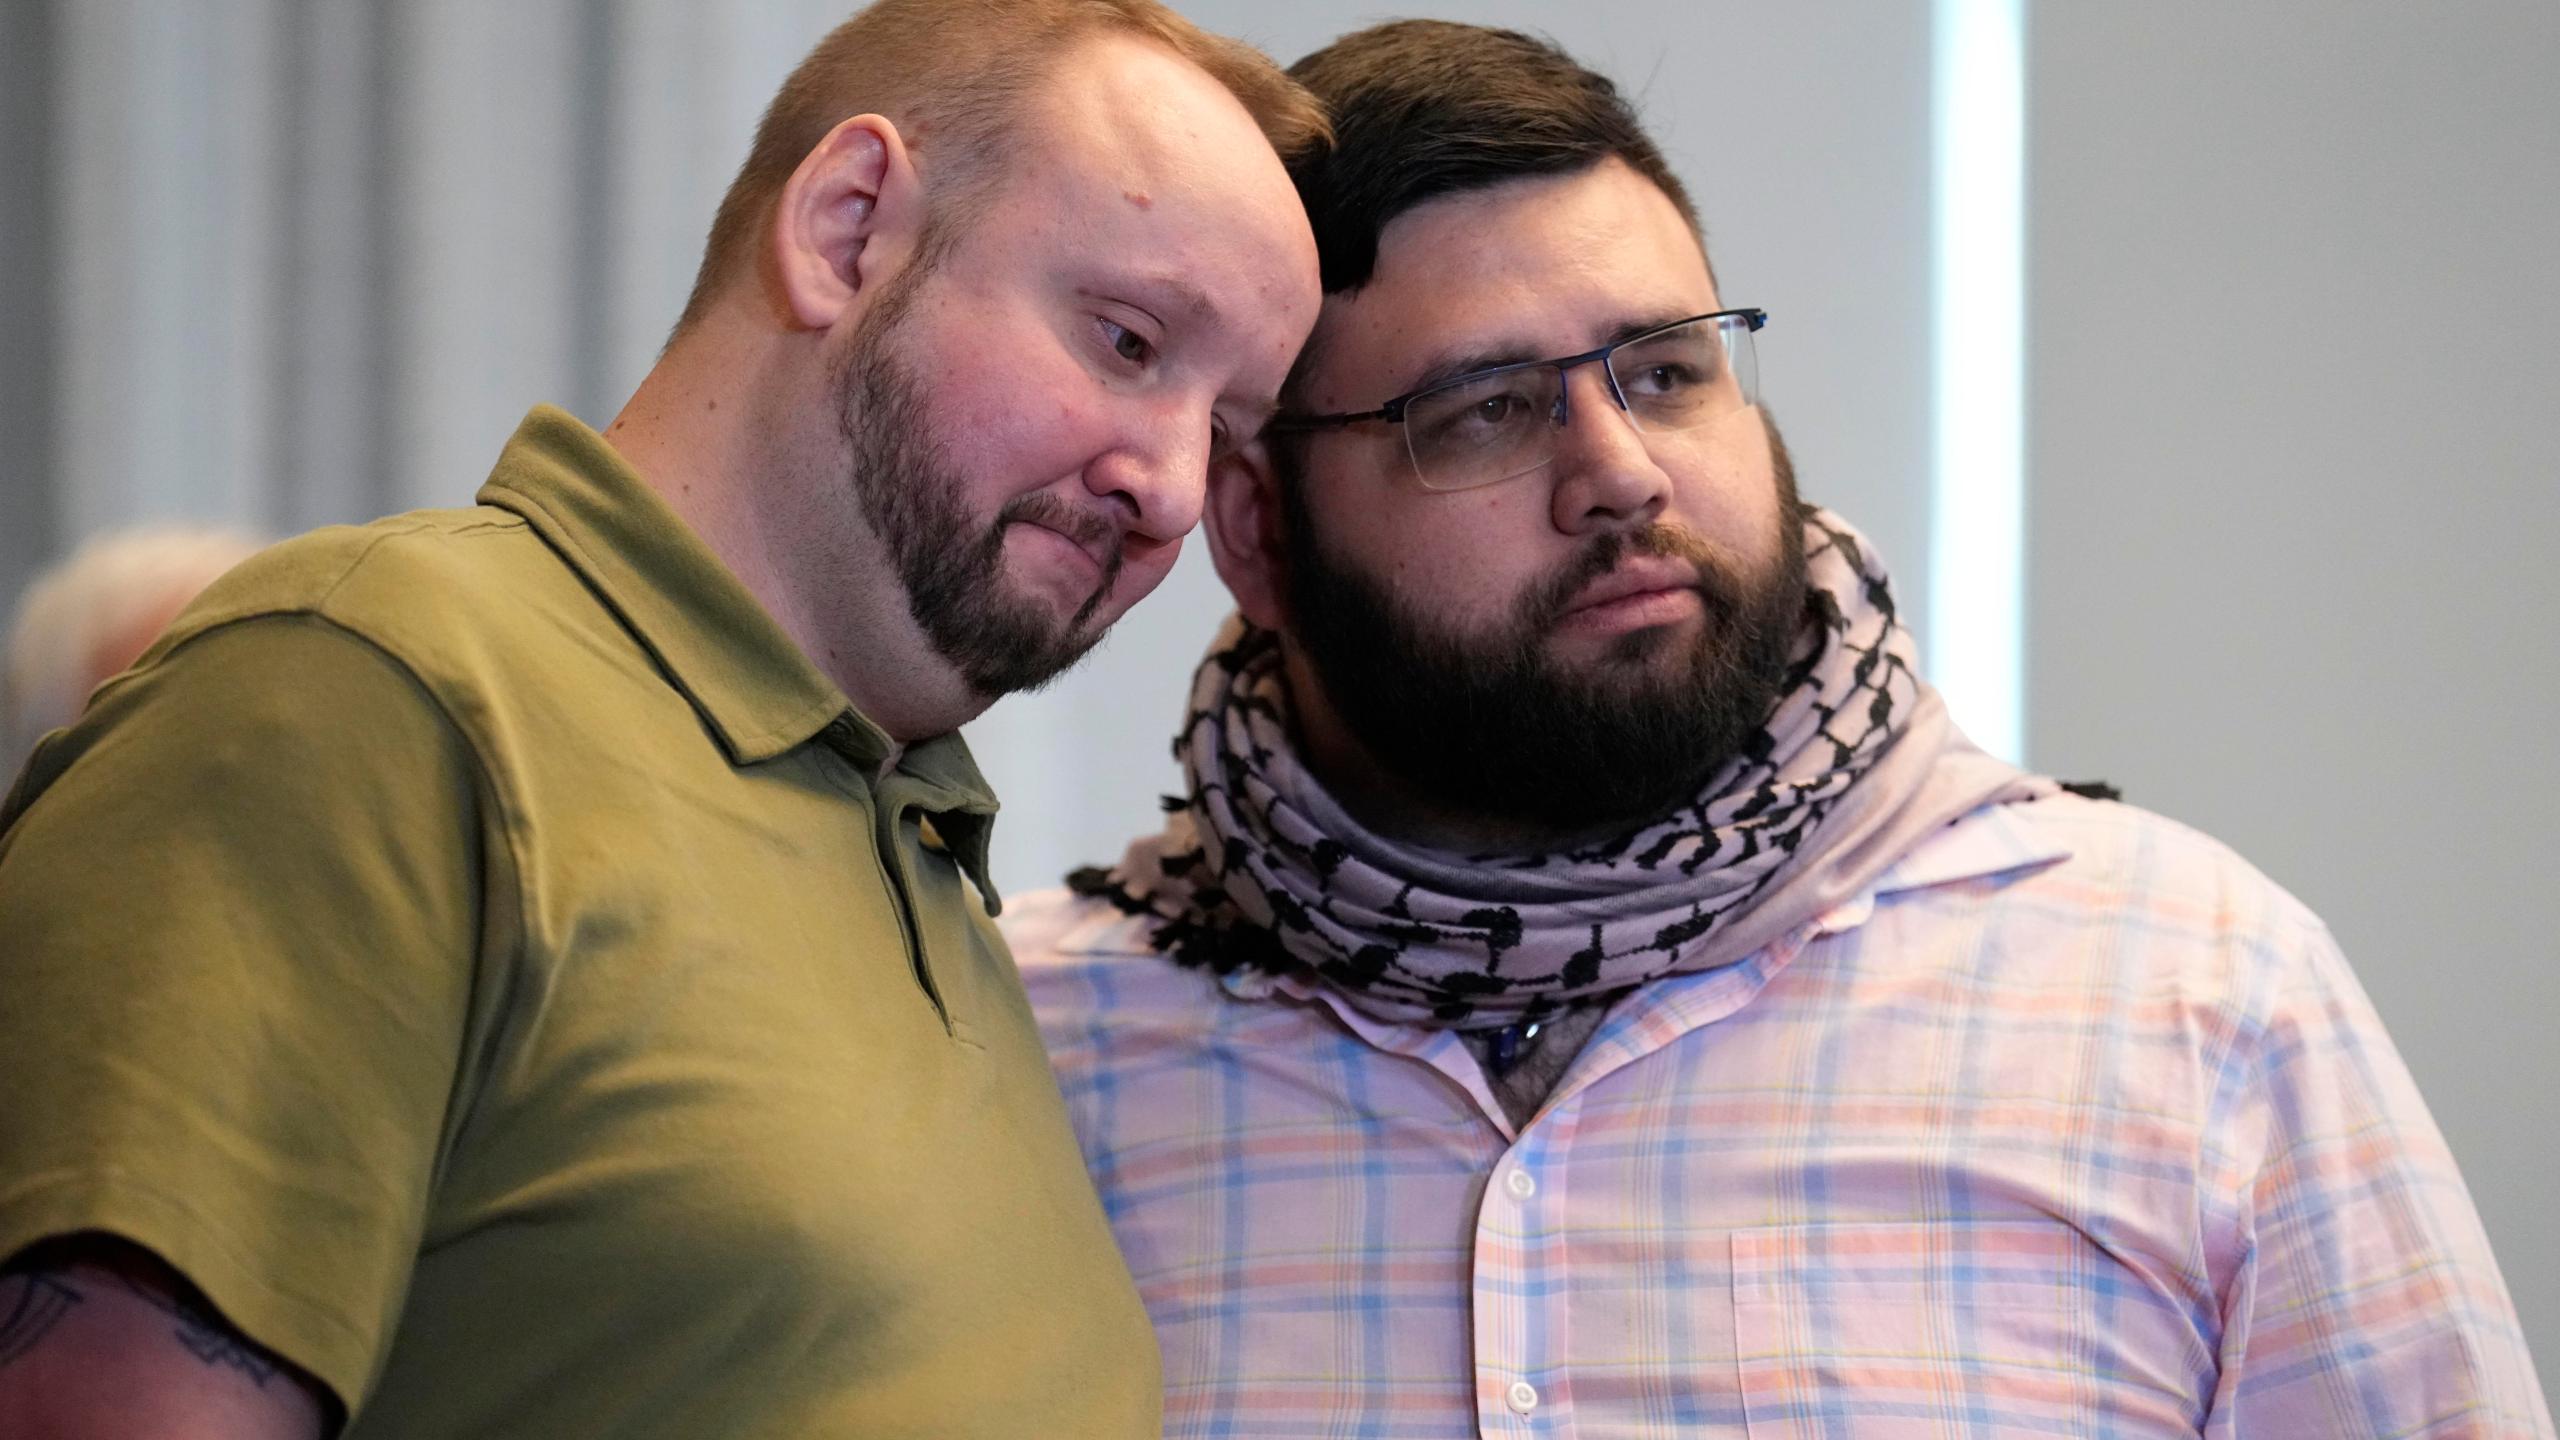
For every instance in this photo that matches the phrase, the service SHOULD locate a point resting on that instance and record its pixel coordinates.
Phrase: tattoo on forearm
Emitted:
(31, 1304)
(34, 1301)
(206, 1336)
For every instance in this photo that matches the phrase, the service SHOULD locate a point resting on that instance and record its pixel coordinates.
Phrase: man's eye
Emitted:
(1496, 411)
(1666, 377)
(1128, 344)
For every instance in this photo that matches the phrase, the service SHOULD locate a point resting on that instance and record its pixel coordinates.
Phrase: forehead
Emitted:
(1540, 266)
(1124, 132)
(1133, 163)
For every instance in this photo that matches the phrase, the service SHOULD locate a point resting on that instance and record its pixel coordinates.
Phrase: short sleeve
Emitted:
(237, 942)
(2370, 1304)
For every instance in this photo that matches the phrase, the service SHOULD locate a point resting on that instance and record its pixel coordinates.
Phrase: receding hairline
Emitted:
(1051, 103)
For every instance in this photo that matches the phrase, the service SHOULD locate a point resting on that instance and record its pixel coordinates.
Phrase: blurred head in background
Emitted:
(91, 616)
(998, 284)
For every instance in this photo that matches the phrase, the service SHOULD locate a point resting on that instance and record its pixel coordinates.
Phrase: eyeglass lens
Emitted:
(1478, 429)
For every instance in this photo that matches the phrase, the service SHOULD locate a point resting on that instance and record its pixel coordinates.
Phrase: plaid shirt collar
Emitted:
(1986, 845)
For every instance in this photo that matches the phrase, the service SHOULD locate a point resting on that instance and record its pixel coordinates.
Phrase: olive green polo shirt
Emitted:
(478, 949)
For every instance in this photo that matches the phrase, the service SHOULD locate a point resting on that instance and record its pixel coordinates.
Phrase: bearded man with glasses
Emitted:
(1588, 982)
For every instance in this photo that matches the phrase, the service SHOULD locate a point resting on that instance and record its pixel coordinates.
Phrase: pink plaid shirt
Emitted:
(2073, 1126)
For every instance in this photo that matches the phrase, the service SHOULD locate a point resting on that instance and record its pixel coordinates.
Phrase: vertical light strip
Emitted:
(1976, 639)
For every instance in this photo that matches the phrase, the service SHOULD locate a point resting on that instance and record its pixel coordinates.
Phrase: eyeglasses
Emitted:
(1491, 425)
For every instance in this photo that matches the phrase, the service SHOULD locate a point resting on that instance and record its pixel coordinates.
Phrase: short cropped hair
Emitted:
(1425, 108)
(80, 621)
(954, 76)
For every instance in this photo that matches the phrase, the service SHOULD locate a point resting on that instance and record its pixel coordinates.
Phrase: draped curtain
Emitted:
(312, 258)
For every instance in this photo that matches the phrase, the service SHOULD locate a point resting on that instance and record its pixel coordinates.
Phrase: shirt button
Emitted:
(1520, 1183)
(1523, 1396)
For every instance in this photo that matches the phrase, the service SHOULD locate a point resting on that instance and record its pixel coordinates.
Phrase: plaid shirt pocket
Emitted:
(1974, 1329)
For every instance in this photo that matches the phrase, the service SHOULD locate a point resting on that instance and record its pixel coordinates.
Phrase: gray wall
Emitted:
(2294, 492)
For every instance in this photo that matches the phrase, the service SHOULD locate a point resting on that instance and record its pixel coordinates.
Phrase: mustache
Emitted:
(1546, 604)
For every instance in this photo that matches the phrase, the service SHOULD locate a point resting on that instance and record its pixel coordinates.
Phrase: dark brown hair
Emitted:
(1424, 108)
(953, 75)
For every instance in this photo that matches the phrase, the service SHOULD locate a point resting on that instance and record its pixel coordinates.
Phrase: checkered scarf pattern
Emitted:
(1258, 866)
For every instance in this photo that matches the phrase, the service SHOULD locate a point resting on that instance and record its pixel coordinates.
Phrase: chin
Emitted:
(1139, 578)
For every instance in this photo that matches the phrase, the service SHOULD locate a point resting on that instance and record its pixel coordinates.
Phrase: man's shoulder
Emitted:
(1080, 951)
(2144, 889)
(464, 601)
(2136, 851)
(380, 579)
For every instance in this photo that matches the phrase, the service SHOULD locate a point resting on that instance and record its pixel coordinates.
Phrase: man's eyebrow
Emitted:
(1193, 301)
(1170, 300)
(1451, 364)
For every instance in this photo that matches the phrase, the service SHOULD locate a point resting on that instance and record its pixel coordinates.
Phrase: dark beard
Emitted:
(1487, 725)
(912, 496)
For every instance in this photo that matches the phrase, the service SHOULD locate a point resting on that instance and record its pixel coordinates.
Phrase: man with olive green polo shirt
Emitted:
(526, 970)
(737, 1061)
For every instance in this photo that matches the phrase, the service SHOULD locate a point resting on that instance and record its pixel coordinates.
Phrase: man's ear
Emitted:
(849, 218)
(1248, 538)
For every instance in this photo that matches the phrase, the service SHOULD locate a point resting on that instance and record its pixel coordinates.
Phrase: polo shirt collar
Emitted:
(748, 680)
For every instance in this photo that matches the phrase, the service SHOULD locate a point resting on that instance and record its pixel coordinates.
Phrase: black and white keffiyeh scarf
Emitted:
(1258, 866)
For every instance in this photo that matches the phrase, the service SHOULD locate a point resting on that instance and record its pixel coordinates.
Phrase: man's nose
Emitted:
(1605, 477)
(1158, 470)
